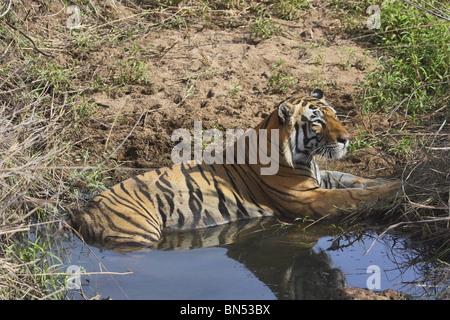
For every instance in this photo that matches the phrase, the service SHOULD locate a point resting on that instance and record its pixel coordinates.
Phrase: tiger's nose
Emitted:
(343, 138)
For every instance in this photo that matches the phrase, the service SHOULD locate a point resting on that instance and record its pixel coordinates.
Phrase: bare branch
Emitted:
(439, 14)
(7, 9)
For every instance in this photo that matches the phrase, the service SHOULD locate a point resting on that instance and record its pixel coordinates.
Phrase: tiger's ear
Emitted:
(318, 94)
(284, 113)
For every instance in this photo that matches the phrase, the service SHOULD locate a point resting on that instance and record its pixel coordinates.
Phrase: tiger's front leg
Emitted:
(329, 202)
(340, 180)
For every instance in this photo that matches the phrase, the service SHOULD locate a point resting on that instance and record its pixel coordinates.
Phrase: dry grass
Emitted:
(41, 104)
(422, 210)
(34, 184)
(421, 152)
(32, 193)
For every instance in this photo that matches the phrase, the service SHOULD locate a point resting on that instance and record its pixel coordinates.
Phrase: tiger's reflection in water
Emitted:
(280, 256)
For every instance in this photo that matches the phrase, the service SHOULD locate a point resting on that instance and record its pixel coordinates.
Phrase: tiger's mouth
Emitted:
(329, 151)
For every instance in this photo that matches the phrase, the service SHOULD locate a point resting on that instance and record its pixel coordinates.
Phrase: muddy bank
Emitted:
(224, 78)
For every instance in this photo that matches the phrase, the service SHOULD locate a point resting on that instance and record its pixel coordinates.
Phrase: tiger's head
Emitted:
(309, 127)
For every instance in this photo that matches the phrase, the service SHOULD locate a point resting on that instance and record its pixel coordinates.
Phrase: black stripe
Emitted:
(126, 218)
(269, 186)
(180, 219)
(137, 203)
(266, 122)
(322, 122)
(169, 200)
(200, 169)
(208, 219)
(241, 213)
(131, 244)
(91, 234)
(161, 209)
(141, 204)
(195, 197)
(191, 182)
(222, 201)
(135, 206)
(306, 139)
(253, 198)
(141, 185)
(231, 178)
(114, 195)
(164, 180)
(266, 185)
(296, 137)
(168, 195)
(295, 100)
(120, 201)
(304, 190)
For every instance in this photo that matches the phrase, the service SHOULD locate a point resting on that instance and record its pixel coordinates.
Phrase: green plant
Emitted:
(360, 142)
(263, 26)
(318, 80)
(403, 146)
(131, 71)
(414, 74)
(279, 81)
(289, 9)
(318, 59)
(230, 4)
(39, 266)
(347, 58)
(52, 75)
(83, 110)
(234, 90)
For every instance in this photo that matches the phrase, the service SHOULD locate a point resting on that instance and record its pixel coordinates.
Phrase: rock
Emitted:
(354, 293)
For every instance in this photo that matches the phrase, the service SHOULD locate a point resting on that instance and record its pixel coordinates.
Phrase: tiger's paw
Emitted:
(394, 185)
(378, 182)
(389, 187)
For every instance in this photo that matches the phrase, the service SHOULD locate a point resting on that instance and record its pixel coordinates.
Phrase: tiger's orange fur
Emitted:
(188, 195)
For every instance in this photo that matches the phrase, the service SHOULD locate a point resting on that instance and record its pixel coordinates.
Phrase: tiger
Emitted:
(190, 195)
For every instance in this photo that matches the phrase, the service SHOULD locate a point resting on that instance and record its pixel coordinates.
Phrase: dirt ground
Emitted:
(221, 76)
(354, 293)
